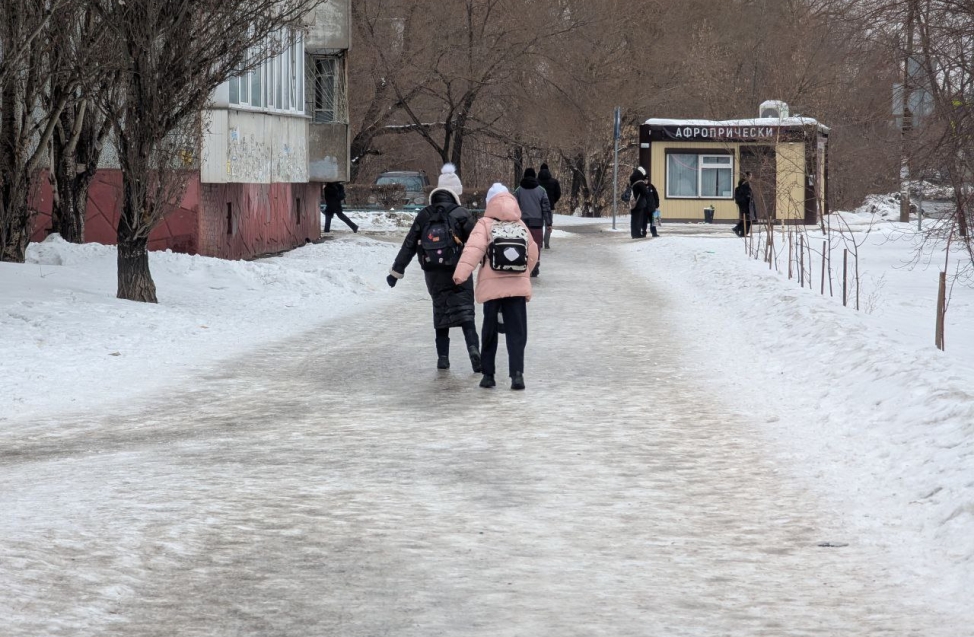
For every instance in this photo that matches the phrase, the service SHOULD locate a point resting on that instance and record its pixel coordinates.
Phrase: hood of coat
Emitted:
(443, 195)
(503, 207)
(637, 175)
(544, 174)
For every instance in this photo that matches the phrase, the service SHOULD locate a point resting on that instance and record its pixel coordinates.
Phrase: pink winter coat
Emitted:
(491, 284)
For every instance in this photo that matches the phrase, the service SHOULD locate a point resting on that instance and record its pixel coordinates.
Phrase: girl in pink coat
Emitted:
(504, 294)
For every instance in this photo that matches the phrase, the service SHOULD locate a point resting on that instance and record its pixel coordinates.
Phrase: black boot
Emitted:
(487, 381)
(475, 359)
(517, 381)
(443, 352)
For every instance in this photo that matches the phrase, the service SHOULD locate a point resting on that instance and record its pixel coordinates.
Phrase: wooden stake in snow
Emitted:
(823, 268)
(845, 272)
(801, 264)
(941, 310)
(791, 256)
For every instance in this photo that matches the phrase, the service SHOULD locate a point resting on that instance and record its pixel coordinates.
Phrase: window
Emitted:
(699, 176)
(277, 83)
(326, 76)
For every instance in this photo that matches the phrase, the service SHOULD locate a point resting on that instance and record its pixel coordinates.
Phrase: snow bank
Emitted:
(861, 403)
(68, 343)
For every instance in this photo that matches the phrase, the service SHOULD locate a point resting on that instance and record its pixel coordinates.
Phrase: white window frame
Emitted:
(280, 79)
(701, 165)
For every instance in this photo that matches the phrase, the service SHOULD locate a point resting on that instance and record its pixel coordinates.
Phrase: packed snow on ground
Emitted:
(861, 402)
(68, 343)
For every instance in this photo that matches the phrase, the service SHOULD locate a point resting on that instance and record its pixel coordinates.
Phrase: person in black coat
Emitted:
(553, 188)
(334, 196)
(453, 305)
(644, 201)
(744, 198)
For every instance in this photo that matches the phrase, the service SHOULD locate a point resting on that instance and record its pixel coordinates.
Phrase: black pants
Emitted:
(340, 215)
(515, 311)
(743, 226)
(637, 223)
(443, 337)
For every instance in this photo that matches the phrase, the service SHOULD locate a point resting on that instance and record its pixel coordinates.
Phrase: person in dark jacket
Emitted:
(334, 196)
(553, 190)
(535, 208)
(644, 202)
(744, 198)
(453, 305)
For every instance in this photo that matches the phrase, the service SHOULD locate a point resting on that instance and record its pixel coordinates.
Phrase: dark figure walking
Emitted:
(553, 189)
(535, 208)
(334, 196)
(436, 238)
(644, 202)
(744, 198)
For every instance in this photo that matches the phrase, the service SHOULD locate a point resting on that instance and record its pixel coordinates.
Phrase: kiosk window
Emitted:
(699, 176)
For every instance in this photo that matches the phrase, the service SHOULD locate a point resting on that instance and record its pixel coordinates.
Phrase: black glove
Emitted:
(391, 280)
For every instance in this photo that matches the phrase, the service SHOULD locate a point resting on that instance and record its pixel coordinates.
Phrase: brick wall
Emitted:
(264, 217)
(244, 220)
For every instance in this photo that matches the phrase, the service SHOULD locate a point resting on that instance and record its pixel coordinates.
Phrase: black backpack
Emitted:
(627, 194)
(439, 244)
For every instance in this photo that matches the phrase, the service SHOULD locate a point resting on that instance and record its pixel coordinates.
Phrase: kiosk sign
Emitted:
(725, 133)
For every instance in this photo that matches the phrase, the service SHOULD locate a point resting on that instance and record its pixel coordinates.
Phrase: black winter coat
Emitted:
(453, 305)
(334, 195)
(645, 197)
(550, 185)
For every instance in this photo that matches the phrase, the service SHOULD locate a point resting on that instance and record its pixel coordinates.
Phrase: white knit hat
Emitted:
(449, 180)
(496, 189)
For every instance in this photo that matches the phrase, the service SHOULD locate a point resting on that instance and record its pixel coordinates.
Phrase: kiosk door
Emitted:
(762, 163)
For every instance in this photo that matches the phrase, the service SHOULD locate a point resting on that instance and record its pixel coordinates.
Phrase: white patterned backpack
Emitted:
(508, 248)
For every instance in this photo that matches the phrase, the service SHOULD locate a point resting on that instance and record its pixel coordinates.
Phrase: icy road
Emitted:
(337, 484)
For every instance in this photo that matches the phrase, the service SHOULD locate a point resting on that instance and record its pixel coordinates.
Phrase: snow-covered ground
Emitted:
(874, 413)
(69, 344)
(862, 404)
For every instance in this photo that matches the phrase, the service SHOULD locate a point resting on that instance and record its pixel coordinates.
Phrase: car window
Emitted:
(413, 184)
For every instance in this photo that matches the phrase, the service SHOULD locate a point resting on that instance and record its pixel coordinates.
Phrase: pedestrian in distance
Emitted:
(553, 189)
(643, 203)
(505, 249)
(744, 198)
(535, 208)
(334, 196)
(436, 238)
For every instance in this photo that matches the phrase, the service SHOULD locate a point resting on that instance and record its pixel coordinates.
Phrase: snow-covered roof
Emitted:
(730, 123)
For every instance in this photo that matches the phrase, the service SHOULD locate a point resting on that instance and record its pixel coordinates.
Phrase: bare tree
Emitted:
(27, 120)
(173, 55)
(82, 128)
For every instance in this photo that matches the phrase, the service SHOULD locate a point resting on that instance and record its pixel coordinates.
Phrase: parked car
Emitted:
(414, 181)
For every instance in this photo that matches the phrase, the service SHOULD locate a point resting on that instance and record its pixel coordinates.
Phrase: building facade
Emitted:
(696, 164)
(270, 139)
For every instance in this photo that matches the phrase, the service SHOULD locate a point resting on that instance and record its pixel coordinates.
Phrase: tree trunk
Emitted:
(16, 219)
(71, 200)
(134, 279)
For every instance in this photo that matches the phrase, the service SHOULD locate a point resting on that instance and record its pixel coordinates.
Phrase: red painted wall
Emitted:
(264, 217)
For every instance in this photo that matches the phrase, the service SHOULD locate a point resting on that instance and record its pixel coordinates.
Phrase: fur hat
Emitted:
(642, 171)
(496, 189)
(449, 180)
